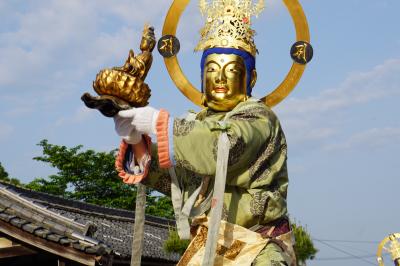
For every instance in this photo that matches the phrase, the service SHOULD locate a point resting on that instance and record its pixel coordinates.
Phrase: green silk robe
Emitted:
(257, 178)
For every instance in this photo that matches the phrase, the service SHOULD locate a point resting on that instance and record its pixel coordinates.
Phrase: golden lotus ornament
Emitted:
(121, 88)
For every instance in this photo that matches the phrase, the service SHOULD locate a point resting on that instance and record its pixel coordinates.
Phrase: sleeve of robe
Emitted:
(257, 175)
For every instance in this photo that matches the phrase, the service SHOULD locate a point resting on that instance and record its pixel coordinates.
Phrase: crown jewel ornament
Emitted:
(228, 24)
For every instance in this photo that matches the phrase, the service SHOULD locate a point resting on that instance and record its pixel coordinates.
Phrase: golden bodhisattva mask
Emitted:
(224, 81)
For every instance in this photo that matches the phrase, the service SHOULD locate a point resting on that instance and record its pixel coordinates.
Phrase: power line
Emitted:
(346, 241)
(345, 252)
(347, 258)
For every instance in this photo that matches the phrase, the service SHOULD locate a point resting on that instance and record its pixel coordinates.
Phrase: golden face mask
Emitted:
(224, 81)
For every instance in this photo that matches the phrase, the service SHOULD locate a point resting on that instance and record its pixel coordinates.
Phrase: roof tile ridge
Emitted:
(164, 221)
(15, 196)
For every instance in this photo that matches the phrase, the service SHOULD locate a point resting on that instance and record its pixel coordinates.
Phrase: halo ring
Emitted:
(277, 95)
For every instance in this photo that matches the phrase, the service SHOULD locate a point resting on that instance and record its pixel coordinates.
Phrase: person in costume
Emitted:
(184, 159)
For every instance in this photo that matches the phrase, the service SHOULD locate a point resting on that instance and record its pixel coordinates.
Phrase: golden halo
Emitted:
(273, 98)
(382, 247)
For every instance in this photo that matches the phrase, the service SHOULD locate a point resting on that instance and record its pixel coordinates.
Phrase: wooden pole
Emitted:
(138, 227)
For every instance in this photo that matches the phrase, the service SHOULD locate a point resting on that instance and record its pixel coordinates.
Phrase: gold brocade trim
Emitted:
(236, 245)
(200, 241)
(232, 252)
(197, 242)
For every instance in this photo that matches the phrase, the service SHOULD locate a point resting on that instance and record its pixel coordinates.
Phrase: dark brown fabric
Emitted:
(281, 227)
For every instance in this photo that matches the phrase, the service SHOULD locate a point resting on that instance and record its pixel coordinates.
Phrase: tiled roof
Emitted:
(89, 228)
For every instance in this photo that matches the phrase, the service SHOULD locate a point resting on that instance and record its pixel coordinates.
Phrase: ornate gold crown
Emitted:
(228, 24)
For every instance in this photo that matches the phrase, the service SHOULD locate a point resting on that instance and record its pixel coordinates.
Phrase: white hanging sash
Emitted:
(183, 212)
(218, 198)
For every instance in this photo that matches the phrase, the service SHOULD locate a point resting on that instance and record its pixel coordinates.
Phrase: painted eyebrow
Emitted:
(212, 61)
(236, 64)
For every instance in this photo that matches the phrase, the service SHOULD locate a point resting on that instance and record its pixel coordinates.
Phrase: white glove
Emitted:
(142, 119)
(126, 130)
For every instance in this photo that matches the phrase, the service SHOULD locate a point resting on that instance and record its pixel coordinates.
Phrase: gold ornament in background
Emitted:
(228, 24)
(121, 88)
(391, 245)
(272, 98)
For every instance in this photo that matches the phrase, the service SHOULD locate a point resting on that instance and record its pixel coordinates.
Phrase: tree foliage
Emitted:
(3, 173)
(5, 177)
(304, 247)
(160, 206)
(90, 176)
(174, 244)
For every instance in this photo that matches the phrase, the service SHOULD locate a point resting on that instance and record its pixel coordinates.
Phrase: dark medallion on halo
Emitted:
(168, 46)
(301, 52)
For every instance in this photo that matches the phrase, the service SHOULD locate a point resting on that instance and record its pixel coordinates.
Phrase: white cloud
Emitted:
(358, 88)
(57, 35)
(16, 64)
(81, 115)
(373, 138)
(134, 12)
(107, 47)
(317, 118)
(20, 110)
(53, 45)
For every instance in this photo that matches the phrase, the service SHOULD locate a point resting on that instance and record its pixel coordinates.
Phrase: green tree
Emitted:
(3, 173)
(4, 177)
(304, 247)
(160, 206)
(90, 176)
(174, 244)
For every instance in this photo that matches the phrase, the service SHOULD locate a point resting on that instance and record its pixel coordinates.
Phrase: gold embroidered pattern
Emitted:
(182, 163)
(198, 241)
(225, 213)
(250, 114)
(191, 180)
(182, 127)
(258, 203)
(260, 168)
(163, 185)
(232, 252)
(238, 146)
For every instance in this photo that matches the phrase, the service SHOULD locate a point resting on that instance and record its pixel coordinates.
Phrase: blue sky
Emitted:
(341, 122)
